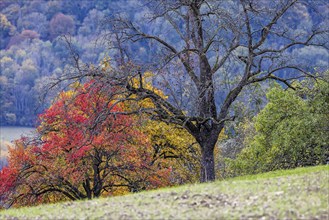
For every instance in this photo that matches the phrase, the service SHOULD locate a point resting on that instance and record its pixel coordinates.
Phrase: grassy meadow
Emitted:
(301, 193)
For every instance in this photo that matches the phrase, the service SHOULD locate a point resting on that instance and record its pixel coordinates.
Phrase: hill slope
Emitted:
(298, 194)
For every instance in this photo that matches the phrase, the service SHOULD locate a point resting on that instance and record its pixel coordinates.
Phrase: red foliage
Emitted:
(87, 149)
(8, 177)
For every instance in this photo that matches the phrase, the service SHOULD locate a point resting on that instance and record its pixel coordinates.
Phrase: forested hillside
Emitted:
(33, 50)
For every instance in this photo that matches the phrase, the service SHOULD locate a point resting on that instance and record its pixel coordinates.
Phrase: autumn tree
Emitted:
(6, 29)
(172, 145)
(26, 35)
(61, 24)
(80, 155)
(218, 48)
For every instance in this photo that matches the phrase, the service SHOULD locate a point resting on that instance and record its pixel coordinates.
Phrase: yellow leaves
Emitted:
(120, 191)
(106, 64)
(75, 85)
(146, 103)
(5, 23)
(222, 135)
(147, 83)
(148, 74)
(175, 135)
(5, 61)
(65, 95)
(175, 148)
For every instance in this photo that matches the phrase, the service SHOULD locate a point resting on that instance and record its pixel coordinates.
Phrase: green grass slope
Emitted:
(292, 194)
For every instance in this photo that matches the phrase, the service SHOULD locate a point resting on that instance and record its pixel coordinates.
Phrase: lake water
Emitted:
(9, 134)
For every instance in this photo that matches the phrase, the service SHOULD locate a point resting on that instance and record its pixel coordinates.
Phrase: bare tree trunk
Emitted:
(207, 141)
(207, 163)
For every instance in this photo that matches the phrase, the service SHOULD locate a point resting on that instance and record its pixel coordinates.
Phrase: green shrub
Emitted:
(291, 131)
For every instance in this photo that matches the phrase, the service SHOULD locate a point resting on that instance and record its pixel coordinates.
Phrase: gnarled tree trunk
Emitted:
(207, 141)
(207, 164)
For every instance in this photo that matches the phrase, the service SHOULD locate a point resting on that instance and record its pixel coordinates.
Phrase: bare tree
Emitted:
(247, 41)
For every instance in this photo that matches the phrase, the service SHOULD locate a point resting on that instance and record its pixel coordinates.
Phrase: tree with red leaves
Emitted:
(84, 150)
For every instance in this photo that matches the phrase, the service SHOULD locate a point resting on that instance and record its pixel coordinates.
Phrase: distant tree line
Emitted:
(33, 51)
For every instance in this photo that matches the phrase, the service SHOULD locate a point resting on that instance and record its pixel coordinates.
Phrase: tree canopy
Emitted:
(291, 131)
(219, 49)
(80, 155)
